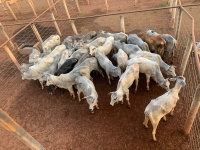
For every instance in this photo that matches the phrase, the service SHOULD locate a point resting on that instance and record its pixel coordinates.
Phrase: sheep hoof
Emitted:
(145, 125)
(155, 140)
(92, 111)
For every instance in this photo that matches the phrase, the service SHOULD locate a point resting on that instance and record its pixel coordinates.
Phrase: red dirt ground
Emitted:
(60, 123)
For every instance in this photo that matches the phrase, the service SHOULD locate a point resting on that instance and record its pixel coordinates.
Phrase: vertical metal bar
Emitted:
(66, 9)
(32, 7)
(12, 56)
(122, 24)
(78, 7)
(186, 56)
(178, 23)
(106, 2)
(12, 13)
(36, 33)
(10, 125)
(74, 27)
(55, 23)
(193, 111)
(6, 35)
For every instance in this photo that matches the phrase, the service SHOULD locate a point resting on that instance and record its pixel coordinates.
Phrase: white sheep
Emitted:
(66, 81)
(158, 108)
(107, 65)
(34, 56)
(150, 69)
(87, 87)
(165, 68)
(121, 58)
(125, 81)
(105, 48)
(50, 43)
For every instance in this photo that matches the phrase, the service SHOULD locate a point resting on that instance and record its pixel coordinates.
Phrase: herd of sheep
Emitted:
(69, 64)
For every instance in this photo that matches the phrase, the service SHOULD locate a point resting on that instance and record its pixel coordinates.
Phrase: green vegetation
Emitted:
(81, 14)
(165, 4)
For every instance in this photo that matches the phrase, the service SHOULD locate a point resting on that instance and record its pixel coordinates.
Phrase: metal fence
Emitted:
(135, 22)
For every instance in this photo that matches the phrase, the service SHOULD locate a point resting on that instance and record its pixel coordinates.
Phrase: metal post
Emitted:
(178, 23)
(32, 7)
(55, 23)
(66, 9)
(78, 7)
(10, 125)
(122, 24)
(36, 33)
(193, 111)
(106, 2)
(6, 35)
(12, 13)
(12, 56)
(74, 27)
(186, 56)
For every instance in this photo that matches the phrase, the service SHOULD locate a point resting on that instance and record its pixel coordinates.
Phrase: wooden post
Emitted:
(12, 57)
(36, 33)
(12, 13)
(32, 7)
(66, 9)
(106, 2)
(193, 111)
(174, 13)
(88, 2)
(170, 5)
(55, 23)
(186, 56)
(136, 2)
(18, 7)
(10, 125)
(74, 27)
(78, 7)
(178, 23)
(54, 7)
(6, 35)
(122, 24)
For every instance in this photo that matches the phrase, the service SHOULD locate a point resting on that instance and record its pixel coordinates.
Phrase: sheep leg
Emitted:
(136, 85)
(78, 93)
(71, 91)
(101, 72)
(108, 78)
(146, 120)
(41, 82)
(127, 98)
(172, 112)
(148, 80)
(154, 124)
(97, 106)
